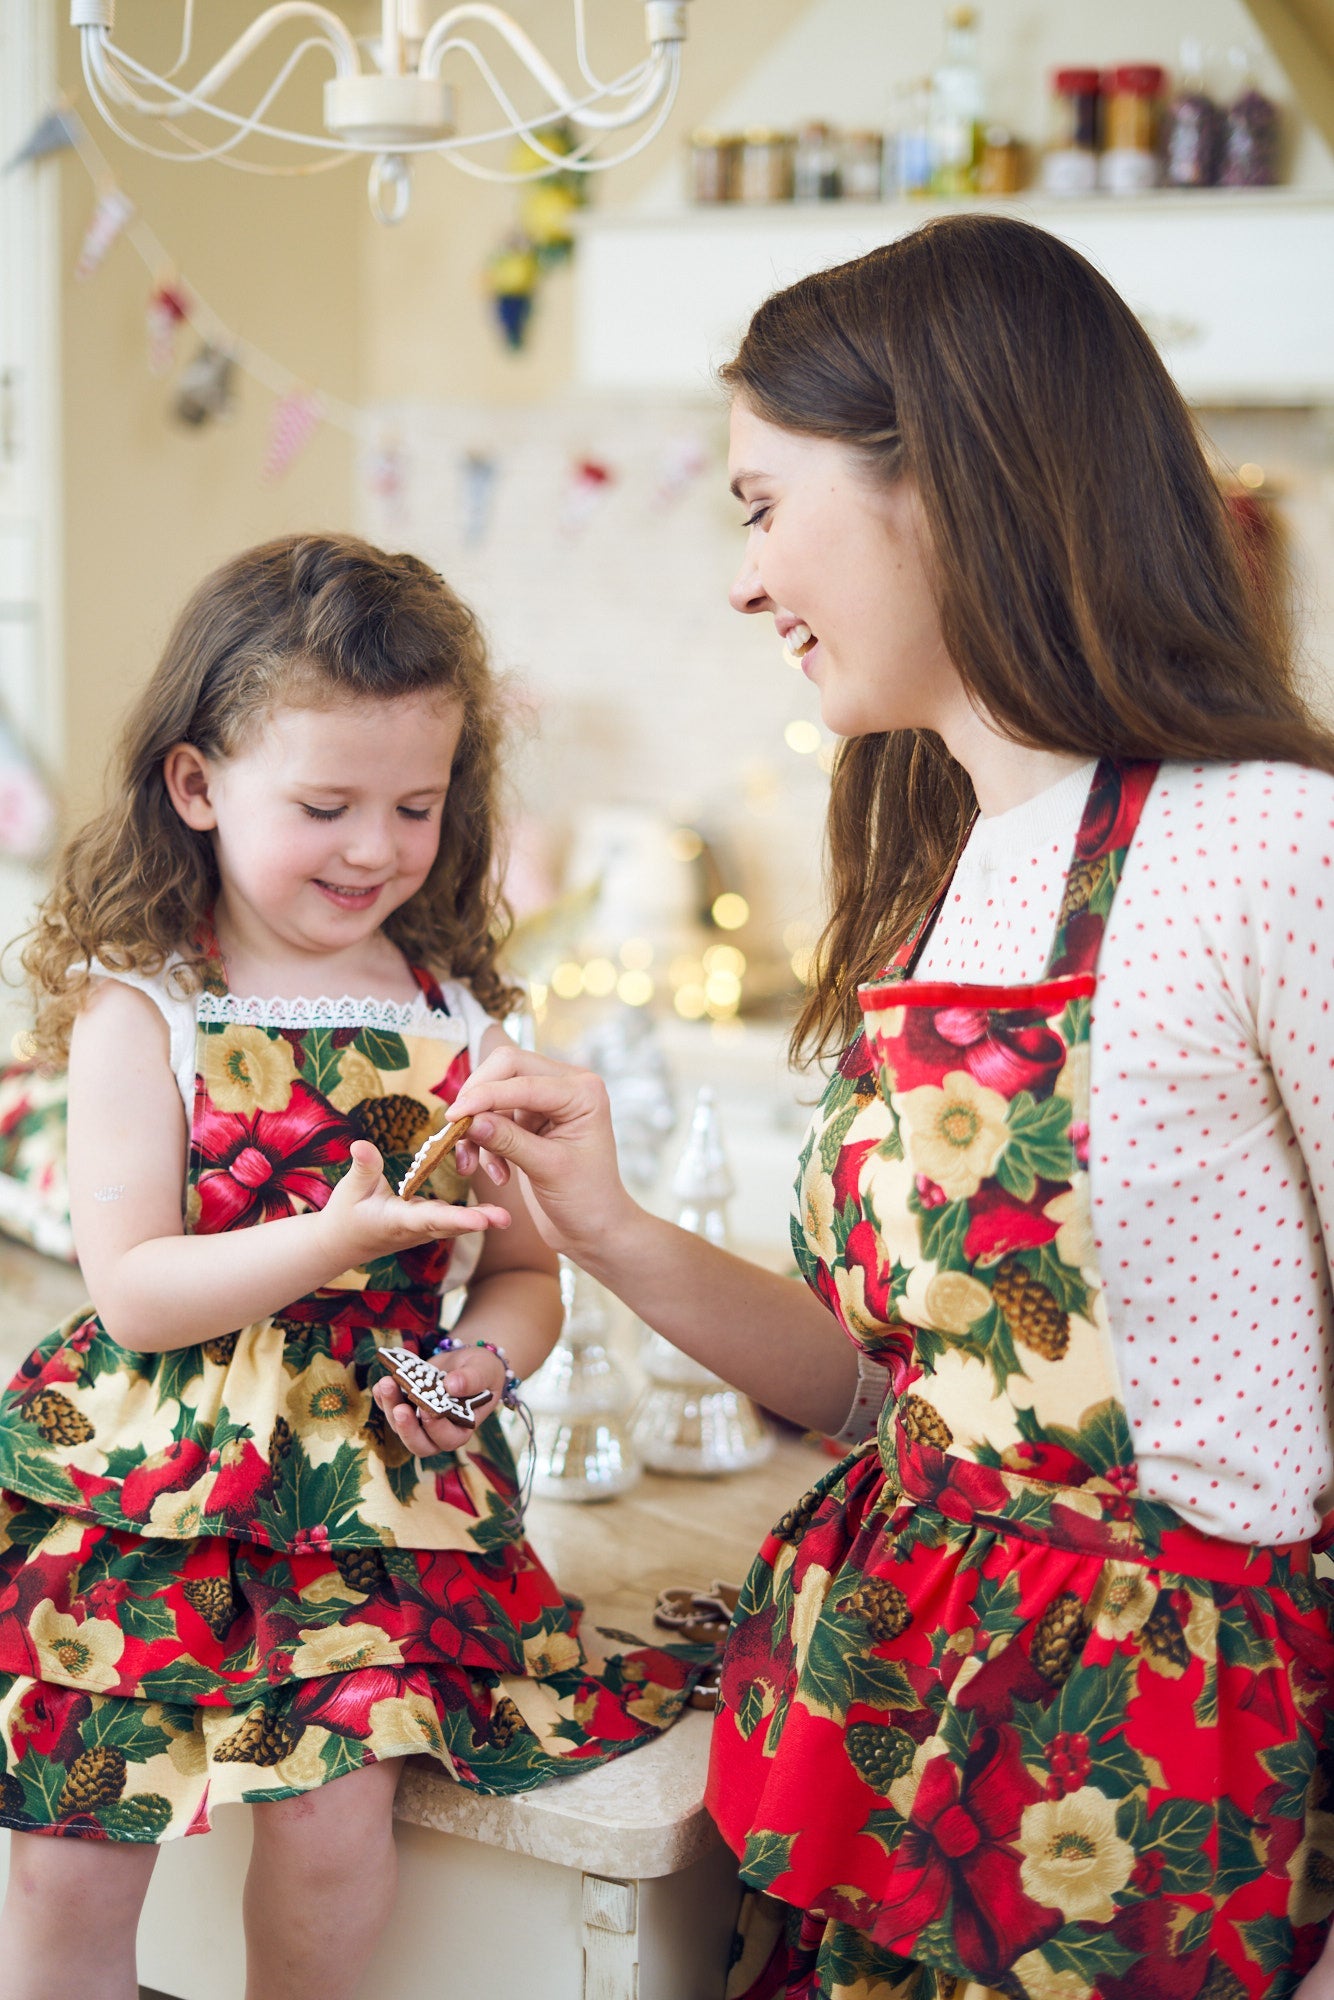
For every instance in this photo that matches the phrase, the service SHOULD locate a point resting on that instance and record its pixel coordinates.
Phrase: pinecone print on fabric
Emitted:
(1221, 1983)
(1058, 1638)
(57, 1419)
(506, 1723)
(1083, 880)
(211, 1597)
(96, 1778)
(261, 1739)
(220, 1350)
(11, 1796)
(361, 1569)
(280, 1442)
(790, 1527)
(922, 1424)
(882, 1604)
(878, 1753)
(1033, 1315)
(1161, 1634)
(144, 1817)
(396, 1124)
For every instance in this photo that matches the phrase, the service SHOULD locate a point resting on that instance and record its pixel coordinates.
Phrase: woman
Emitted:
(1031, 1693)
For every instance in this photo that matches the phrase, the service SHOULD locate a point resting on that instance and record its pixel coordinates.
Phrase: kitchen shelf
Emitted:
(1235, 285)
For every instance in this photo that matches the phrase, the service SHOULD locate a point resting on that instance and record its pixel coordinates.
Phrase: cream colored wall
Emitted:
(149, 507)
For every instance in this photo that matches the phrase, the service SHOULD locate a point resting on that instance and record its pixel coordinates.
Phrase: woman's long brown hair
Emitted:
(1092, 593)
(312, 620)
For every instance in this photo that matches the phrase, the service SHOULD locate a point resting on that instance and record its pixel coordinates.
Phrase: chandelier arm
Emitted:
(655, 68)
(187, 39)
(115, 82)
(336, 37)
(570, 162)
(245, 124)
(527, 128)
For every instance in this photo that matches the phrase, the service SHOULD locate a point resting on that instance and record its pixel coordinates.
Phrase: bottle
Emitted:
(1194, 126)
(912, 151)
(1070, 163)
(815, 166)
(1250, 131)
(957, 108)
(1131, 162)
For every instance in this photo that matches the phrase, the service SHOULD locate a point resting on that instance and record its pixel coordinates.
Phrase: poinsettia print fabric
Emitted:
(222, 1575)
(986, 1713)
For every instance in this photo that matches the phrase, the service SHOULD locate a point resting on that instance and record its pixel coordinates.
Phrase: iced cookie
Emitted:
(424, 1387)
(429, 1155)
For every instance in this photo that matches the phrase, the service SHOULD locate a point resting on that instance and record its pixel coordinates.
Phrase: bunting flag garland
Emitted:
(586, 487)
(205, 390)
(168, 311)
(111, 212)
(50, 134)
(27, 809)
(294, 420)
(385, 473)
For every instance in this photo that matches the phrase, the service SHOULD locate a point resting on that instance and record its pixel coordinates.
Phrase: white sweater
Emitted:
(1212, 1116)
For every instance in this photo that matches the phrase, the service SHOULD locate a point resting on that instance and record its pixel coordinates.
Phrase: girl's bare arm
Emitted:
(154, 1287)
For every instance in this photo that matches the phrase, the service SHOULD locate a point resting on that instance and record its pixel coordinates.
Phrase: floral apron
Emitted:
(222, 1575)
(988, 1715)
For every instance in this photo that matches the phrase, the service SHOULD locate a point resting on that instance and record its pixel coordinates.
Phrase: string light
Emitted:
(599, 978)
(636, 954)
(730, 911)
(684, 844)
(635, 988)
(802, 736)
(567, 981)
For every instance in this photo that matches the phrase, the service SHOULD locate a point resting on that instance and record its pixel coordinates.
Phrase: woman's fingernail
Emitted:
(496, 1171)
(482, 1128)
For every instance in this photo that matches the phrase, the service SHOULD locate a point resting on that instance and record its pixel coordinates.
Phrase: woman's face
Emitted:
(838, 562)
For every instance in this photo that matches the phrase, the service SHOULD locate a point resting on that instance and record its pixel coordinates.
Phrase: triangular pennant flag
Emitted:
(168, 308)
(110, 215)
(296, 417)
(50, 134)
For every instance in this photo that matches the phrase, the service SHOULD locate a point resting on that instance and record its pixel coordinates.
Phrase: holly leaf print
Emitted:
(1038, 1147)
(766, 1856)
(1269, 1941)
(942, 1232)
(838, 1671)
(121, 1725)
(321, 1069)
(758, 1700)
(1242, 1643)
(1085, 1952)
(146, 1618)
(834, 1134)
(1062, 1280)
(1179, 1830)
(1290, 1766)
(1238, 1858)
(385, 1051)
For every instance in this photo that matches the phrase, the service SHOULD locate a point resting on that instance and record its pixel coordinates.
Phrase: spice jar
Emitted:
(1002, 169)
(713, 163)
(764, 167)
(1070, 163)
(1250, 133)
(863, 166)
(1130, 162)
(815, 168)
(1194, 126)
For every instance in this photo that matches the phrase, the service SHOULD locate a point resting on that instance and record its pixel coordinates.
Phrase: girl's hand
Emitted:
(553, 1122)
(470, 1371)
(366, 1219)
(1319, 1981)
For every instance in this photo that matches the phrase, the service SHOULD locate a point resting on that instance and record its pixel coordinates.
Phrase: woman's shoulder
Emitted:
(1245, 808)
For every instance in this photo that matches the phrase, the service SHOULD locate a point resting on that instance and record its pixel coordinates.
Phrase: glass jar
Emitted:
(1130, 161)
(1002, 169)
(863, 166)
(1194, 126)
(764, 166)
(1070, 163)
(1250, 132)
(713, 167)
(815, 165)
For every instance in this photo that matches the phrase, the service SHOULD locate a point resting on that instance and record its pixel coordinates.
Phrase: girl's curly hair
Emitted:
(309, 619)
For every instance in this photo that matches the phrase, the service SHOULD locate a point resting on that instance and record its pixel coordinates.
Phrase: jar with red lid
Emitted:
(1070, 161)
(1131, 159)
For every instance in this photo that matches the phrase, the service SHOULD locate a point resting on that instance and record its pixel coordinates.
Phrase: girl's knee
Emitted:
(340, 1826)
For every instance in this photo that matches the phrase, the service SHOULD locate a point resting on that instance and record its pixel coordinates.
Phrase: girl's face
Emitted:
(839, 563)
(327, 819)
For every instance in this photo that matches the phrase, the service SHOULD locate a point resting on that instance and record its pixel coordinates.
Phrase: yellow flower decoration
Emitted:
(955, 1132)
(357, 1078)
(551, 1653)
(1129, 1598)
(1074, 1859)
(1074, 1236)
(337, 1649)
(954, 1302)
(817, 1215)
(324, 1401)
(74, 1654)
(246, 1070)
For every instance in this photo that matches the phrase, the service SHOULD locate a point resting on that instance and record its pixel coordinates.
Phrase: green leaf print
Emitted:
(1087, 1952)
(104, 1356)
(146, 1618)
(41, 1787)
(1062, 1280)
(1290, 1765)
(891, 1146)
(179, 1683)
(1074, 1023)
(845, 1221)
(1206, 1701)
(774, 1732)
(1103, 1439)
(385, 1051)
(1038, 1147)
(1269, 1941)
(942, 1231)
(311, 1496)
(1092, 1703)
(885, 1825)
(838, 1670)
(403, 1480)
(767, 1856)
(176, 1371)
(1238, 1857)
(834, 1135)
(757, 1702)
(499, 1529)
(121, 1725)
(321, 1070)
(1241, 1642)
(1195, 1932)
(30, 1472)
(341, 1754)
(1179, 1830)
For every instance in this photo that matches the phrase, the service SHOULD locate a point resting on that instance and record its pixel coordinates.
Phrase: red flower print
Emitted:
(998, 1224)
(848, 1169)
(864, 1251)
(1113, 808)
(170, 1470)
(256, 1166)
(1012, 1058)
(1051, 1462)
(929, 1192)
(453, 1079)
(49, 1720)
(857, 1064)
(343, 1702)
(958, 1852)
(242, 1470)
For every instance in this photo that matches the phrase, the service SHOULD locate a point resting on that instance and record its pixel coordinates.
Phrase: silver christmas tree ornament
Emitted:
(688, 1419)
(580, 1402)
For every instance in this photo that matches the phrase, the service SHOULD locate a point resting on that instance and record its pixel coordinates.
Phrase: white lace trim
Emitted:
(393, 1016)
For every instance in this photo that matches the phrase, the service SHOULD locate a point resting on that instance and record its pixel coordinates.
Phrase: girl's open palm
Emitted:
(369, 1220)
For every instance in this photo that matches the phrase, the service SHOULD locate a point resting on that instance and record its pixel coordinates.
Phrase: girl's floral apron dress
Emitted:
(222, 1576)
(988, 1715)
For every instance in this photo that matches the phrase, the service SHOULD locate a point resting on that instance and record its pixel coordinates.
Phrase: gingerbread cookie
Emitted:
(423, 1386)
(429, 1155)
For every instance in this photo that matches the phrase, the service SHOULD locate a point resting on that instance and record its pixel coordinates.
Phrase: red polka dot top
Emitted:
(1212, 1090)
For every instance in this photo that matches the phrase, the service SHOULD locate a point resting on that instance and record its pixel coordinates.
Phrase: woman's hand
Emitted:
(470, 1371)
(553, 1122)
(366, 1218)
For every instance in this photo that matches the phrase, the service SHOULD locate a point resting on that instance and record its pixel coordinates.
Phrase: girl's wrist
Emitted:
(448, 1346)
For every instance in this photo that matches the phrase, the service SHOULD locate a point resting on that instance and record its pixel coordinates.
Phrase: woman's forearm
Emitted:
(765, 1334)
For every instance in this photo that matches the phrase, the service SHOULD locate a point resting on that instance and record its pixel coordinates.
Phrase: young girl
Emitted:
(236, 1566)
(1035, 1692)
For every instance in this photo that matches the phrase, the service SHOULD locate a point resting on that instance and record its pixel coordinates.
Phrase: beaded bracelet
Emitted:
(510, 1393)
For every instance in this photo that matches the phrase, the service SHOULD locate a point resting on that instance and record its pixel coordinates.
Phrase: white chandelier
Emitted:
(398, 107)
